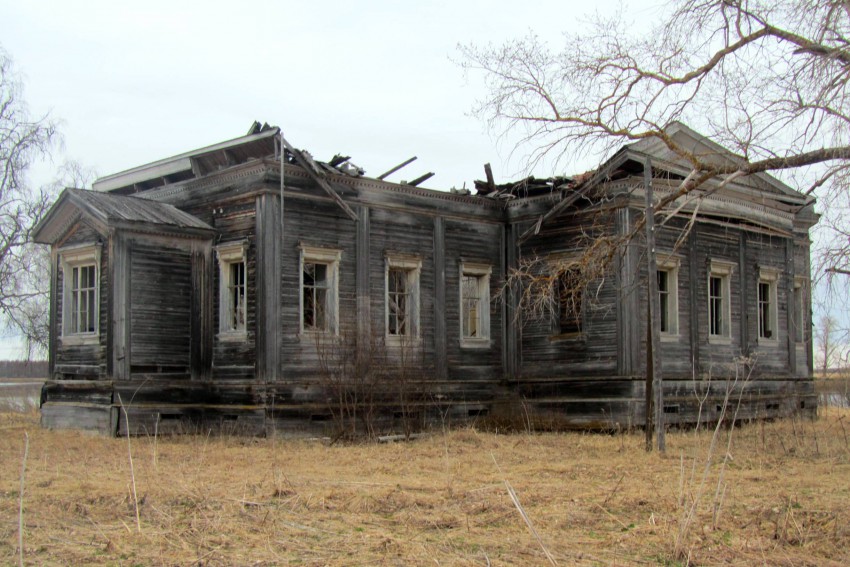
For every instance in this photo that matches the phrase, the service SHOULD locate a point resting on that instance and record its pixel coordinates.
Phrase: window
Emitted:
(719, 309)
(569, 298)
(319, 290)
(668, 295)
(474, 305)
(81, 293)
(766, 295)
(800, 309)
(233, 280)
(402, 298)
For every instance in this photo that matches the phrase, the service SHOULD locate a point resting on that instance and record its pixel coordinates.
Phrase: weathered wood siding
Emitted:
(408, 234)
(160, 310)
(74, 361)
(318, 224)
(235, 221)
(594, 352)
(771, 357)
(473, 369)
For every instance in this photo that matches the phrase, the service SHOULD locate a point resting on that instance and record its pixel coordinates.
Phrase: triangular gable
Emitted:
(711, 152)
(102, 211)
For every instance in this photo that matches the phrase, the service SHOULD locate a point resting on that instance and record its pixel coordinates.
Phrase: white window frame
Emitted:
(229, 255)
(800, 304)
(768, 277)
(412, 266)
(723, 270)
(329, 258)
(481, 274)
(670, 265)
(72, 258)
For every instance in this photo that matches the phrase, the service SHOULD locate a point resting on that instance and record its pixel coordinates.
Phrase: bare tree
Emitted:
(830, 351)
(765, 78)
(24, 266)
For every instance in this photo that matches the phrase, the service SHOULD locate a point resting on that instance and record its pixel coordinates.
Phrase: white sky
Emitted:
(374, 80)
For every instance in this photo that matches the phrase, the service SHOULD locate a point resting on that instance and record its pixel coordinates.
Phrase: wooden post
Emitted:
(364, 317)
(268, 286)
(440, 350)
(653, 332)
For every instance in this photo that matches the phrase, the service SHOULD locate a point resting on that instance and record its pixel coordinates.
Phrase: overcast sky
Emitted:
(372, 79)
(376, 80)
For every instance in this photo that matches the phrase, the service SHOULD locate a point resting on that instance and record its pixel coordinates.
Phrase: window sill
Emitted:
(669, 338)
(769, 343)
(312, 335)
(233, 336)
(402, 341)
(719, 340)
(565, 337)
(81, 339)
(473, 343)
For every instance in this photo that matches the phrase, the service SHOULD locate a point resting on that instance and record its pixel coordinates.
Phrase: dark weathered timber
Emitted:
(440, 362)
(159, 362)
(396, 168)
(268, 286)
(363, 291)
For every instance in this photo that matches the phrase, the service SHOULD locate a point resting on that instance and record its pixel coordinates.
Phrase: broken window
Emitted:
(319, 289)
(233, 278)
(80, 267)
(668, 295)
(475, 304)
(719, 311)
(402, 284)
(569, 297)
(767, 304)
(800, 309)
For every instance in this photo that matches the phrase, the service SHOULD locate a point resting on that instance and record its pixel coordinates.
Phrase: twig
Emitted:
(132, 471)
(613, 490)
(522, 513)
(21, 501)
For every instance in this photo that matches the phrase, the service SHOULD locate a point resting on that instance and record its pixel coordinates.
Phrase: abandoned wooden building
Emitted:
(248, 284)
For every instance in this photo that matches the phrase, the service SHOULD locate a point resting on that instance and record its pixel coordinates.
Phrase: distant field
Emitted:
(20, 394)
(781, 499)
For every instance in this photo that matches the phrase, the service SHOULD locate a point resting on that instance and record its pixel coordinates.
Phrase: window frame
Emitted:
(723, 270)
(412, 266)
(71, 258)
(768, 277)
(330, 258)
(670, 265)
(481, 273)
(800, 304)
(229, 255)
(558, 330)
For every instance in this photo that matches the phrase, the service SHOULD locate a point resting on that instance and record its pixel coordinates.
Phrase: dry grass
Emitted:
(440, 500)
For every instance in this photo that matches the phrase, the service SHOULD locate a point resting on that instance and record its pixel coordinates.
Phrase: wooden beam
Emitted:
(396, 168)
(421, 179)
(306, 161)
(653, 332)
(440, 345)
(338, 160)
(557, 208)
(491, 183)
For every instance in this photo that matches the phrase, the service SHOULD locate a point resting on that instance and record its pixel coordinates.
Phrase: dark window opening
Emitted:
(569, 298)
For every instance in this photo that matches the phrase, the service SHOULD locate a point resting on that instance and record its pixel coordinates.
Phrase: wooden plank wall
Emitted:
(235, 220)
(160, 310)
(83, 361)
(595, 352)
